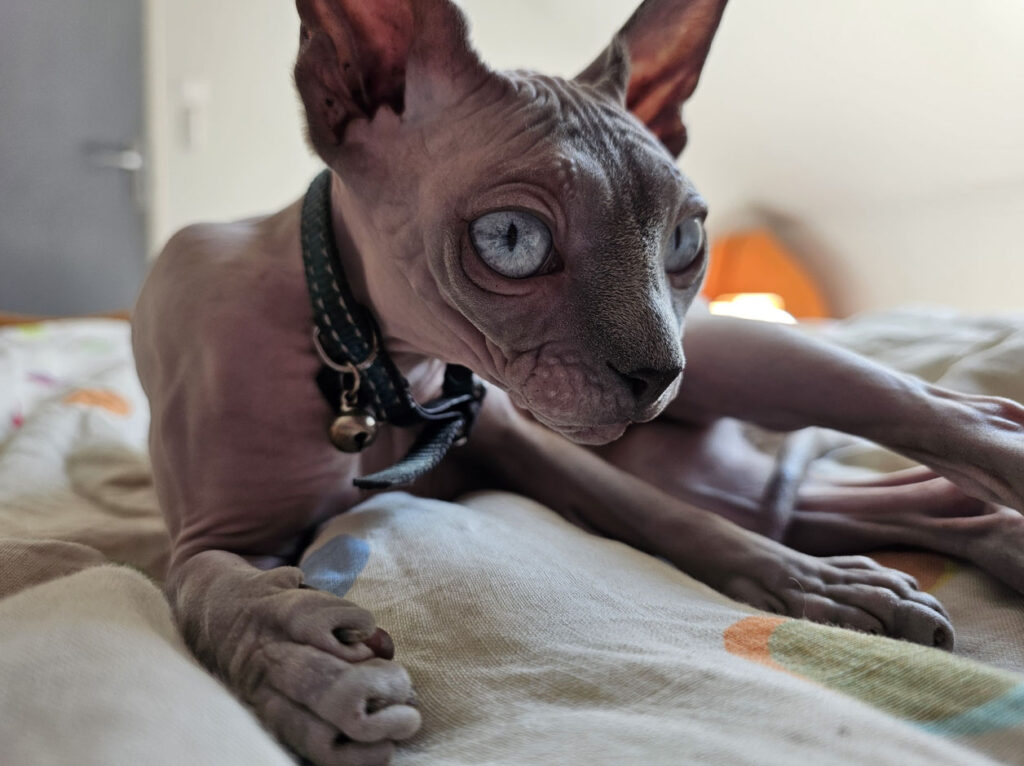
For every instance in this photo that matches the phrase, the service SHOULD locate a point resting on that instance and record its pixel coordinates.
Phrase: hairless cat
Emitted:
(537, 231)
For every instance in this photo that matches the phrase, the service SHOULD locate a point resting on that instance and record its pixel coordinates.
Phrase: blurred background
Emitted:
(871, 147)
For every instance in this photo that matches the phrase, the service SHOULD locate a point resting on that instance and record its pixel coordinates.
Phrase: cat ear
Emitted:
(443, 67)
(609, 72)
(356, 57)
(655, 61)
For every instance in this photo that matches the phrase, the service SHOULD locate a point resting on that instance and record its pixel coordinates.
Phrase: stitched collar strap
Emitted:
(358, 378)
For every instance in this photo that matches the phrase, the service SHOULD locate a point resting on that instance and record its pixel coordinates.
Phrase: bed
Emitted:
(530, 641)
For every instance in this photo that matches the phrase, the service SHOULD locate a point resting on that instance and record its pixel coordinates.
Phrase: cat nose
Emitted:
(648, 384)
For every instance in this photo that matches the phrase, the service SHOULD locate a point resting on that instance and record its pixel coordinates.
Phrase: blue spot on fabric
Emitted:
(1001, 713)
(335, 566)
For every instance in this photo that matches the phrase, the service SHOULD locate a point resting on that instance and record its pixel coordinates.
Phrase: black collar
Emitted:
(358, 378)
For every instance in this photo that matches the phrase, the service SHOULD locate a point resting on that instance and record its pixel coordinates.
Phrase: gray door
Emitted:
(72, 236)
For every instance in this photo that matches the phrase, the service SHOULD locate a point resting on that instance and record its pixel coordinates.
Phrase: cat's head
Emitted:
(542, 219)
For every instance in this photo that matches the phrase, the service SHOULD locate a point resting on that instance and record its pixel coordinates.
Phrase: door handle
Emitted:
(127, 158)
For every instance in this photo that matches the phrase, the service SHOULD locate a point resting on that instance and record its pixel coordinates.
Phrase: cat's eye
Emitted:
(514, 243)
(685, 246)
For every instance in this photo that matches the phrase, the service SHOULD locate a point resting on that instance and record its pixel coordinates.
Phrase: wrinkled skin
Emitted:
(423, 139)
(553, 342)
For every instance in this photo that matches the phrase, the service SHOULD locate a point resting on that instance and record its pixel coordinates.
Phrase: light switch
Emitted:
(195, 105)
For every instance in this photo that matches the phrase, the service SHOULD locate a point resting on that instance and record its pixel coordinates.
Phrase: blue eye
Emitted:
(686, 245)
(514, 243)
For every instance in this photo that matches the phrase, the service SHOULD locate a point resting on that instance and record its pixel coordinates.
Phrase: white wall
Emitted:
(249, 155)
(881, 138)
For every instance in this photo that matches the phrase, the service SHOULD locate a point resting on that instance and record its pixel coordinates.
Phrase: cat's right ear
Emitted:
(356, 57)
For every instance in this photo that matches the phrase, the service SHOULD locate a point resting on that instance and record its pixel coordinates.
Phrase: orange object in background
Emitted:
(756, 262)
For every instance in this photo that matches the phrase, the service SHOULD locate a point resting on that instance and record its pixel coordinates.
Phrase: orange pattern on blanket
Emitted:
(750, 639)
(939, 691)
(929, 569)
(103, 399)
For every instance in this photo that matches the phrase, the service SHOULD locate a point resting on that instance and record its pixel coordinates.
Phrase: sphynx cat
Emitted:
(536, 230)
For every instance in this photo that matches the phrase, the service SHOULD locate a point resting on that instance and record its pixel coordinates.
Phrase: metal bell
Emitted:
(353, 430)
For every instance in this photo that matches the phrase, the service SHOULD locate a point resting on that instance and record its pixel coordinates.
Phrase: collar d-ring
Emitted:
(372, 392)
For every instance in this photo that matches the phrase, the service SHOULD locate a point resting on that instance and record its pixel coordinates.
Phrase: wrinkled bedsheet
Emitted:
(530, 641)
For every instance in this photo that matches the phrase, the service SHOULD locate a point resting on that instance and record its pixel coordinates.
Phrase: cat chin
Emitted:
(592, 435)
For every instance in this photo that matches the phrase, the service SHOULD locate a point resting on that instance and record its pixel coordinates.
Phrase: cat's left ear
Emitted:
(655, 61)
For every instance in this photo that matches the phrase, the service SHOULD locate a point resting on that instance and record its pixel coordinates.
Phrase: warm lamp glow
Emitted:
(756, 262)
(764, 307)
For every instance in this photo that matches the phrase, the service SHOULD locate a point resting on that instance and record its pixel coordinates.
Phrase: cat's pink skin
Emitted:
(422, 139)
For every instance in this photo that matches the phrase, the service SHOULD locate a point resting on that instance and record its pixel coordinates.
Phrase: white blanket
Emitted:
(529, 640)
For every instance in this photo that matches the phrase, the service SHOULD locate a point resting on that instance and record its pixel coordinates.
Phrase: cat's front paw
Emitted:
(314, 667)
(848, 591)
